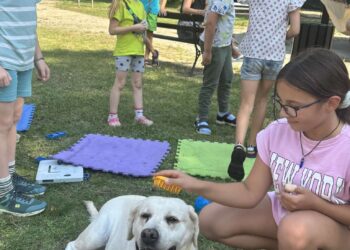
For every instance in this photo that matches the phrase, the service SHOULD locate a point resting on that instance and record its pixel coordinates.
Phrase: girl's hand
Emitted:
(5, 78)
(179, 178)
(43, 71)
(201, 12)
(140, 27)
(299, 199)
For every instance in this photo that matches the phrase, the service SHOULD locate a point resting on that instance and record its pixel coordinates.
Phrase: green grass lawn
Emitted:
(76, 100)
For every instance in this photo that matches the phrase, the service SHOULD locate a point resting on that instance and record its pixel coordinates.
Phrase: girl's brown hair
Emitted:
(321, 73)
(113, 8)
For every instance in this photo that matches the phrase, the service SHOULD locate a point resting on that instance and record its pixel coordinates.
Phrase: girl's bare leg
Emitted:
(261, 99)
(136, 79)
(244, 228)
(247, 97)
(119, 83)
(312, 230)
(7, 111)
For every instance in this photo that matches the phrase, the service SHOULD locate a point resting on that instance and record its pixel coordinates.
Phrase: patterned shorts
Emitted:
(135, 63)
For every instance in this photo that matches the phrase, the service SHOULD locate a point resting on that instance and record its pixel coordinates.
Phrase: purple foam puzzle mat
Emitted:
(119, 155)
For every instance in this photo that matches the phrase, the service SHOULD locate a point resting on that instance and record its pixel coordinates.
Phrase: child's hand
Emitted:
(299, 199)
(141, 27)
(206, 58)
(5, 78)
(162, 12)
(179, 178)
(43, 71)
(202, 13)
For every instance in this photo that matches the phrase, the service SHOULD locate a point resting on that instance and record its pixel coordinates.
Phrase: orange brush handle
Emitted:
(159, 181)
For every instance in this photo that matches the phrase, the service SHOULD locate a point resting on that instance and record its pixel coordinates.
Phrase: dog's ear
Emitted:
(195, 221)
(132, 216)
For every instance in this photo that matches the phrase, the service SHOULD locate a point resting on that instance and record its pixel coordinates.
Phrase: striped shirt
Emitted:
(17, 34)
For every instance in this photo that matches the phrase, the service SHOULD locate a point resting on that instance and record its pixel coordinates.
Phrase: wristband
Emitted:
(39, 59)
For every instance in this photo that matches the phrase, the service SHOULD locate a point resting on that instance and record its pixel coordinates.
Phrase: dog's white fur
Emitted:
(120, 221)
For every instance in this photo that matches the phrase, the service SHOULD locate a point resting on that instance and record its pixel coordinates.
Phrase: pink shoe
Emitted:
(113, 121)
(143, 121)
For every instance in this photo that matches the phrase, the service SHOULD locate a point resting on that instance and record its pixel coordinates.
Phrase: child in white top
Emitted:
(263, 48)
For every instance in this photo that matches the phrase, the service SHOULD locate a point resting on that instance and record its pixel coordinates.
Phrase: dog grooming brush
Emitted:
(159, 181)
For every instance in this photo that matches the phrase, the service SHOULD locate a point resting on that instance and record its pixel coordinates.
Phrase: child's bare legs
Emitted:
(13, 131)
(312, 230)
(7, 110)
(244, 228)
(119, 83)
(150, 44)
(255, 228)
(260, 105)
(247, 98)
(136, 78)
(150, 49)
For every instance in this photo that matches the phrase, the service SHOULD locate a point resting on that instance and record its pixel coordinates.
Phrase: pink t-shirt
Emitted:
(326, 171)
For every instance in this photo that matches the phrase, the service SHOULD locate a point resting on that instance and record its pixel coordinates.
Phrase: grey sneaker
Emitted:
(20, 205)
(23, 186)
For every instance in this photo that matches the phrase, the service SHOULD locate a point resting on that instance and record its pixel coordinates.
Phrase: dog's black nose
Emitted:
(149, 236)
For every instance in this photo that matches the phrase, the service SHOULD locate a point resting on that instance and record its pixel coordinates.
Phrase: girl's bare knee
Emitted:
(206, 225)
(6, 124)
(137, 84)
(293, 233)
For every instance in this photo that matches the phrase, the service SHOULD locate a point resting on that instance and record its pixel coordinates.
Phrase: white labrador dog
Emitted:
(133, 222)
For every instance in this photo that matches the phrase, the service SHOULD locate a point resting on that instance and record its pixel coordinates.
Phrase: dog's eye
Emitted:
(145, 216)
(171, 220)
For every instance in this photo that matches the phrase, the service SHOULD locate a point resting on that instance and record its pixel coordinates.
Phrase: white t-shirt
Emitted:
(267, 29)
(224, 27)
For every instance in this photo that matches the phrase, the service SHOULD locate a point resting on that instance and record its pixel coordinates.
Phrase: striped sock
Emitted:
(5, 185)
(12, 167)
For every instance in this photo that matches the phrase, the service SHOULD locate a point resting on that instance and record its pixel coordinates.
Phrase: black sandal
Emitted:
(155, 58)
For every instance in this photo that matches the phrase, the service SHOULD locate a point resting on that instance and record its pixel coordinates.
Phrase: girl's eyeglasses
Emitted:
(291, 111)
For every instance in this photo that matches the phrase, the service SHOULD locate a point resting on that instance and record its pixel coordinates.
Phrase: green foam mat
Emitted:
(207, 159)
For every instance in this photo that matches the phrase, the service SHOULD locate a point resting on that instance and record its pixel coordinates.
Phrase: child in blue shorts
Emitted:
(19, 53)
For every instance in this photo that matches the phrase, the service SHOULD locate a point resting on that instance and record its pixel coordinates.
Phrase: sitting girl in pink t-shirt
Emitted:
(304, 156)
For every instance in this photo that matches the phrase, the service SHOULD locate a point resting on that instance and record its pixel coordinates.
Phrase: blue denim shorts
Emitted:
(257, 69)
(20, 86)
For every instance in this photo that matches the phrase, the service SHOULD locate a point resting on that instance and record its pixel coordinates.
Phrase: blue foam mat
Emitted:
(26, 118)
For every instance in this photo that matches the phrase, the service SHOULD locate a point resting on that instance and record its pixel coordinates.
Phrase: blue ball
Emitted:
(199, 203)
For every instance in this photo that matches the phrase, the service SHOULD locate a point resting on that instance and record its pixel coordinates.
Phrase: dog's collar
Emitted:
(137, 247)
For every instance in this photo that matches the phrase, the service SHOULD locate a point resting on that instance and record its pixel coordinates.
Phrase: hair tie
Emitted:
(346, 102)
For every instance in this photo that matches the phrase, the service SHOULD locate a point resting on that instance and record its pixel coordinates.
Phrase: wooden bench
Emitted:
(170, 21)
(167, 22)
